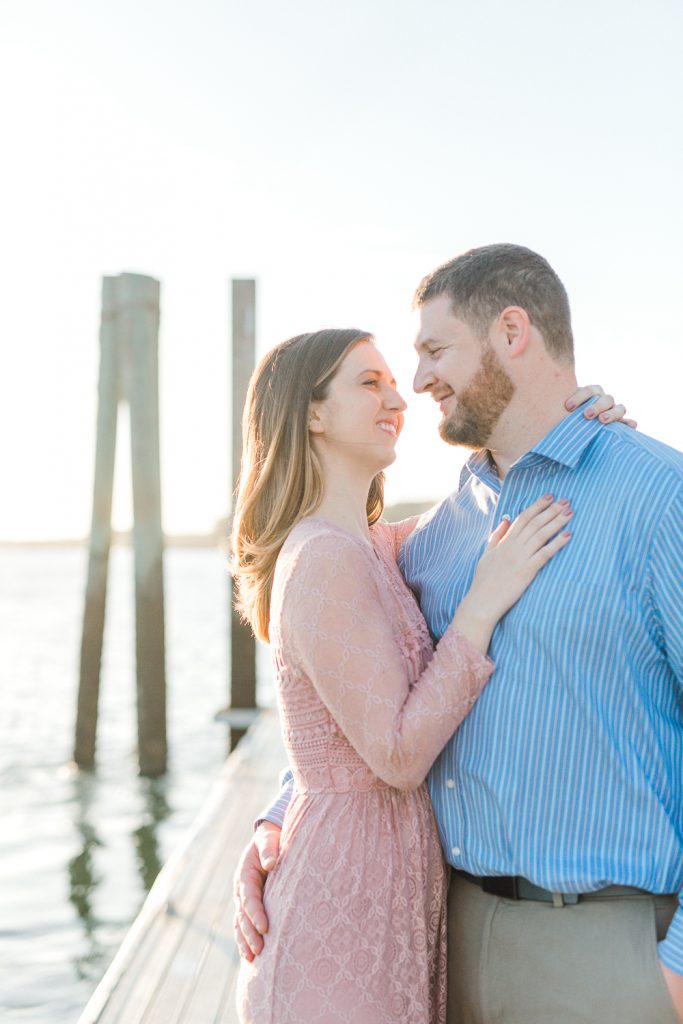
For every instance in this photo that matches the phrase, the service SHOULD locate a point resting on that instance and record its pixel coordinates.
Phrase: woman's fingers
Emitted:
(540, 508)
(543, 534)
(551, 548)
(604, 408)
(536, 517)
(616, 415)
(584, 394)
(601, 407)
(610, 415)
(499, 532)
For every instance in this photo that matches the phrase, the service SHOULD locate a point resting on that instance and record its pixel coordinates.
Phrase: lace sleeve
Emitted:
(339, 634)
(399, 531)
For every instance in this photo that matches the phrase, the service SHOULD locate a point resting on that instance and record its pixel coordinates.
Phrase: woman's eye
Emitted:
(370, 382)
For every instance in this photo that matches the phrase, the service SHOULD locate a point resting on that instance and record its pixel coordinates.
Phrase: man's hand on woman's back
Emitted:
(250, 922)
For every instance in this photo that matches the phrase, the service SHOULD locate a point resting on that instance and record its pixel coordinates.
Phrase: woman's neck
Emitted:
(344, 502)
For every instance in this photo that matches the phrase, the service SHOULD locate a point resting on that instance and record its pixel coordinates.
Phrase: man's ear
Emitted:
(514, 330)
(315, 423)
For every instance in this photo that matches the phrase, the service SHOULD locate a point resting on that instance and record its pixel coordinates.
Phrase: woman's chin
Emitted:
(389, 457)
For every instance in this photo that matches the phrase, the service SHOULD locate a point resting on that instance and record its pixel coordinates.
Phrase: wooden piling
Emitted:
(139, 331)
(242, 645)
(128, 371)
(100, 532)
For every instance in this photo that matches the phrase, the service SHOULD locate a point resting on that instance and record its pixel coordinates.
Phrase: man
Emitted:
(560, 798)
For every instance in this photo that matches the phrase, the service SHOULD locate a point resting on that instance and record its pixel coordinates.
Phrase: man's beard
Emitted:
(480, 406)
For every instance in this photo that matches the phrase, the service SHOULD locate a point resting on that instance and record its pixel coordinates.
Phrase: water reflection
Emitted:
(84, 878)
(148, 855)
(86, 881)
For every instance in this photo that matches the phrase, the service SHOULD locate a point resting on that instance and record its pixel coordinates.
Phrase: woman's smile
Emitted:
(389, 426)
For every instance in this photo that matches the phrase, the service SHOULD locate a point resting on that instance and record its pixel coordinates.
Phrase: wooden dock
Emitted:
(179, 963)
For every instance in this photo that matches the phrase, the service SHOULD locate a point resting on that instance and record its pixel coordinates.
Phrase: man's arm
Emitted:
(258, 858)
(277, 808)
(666, 576)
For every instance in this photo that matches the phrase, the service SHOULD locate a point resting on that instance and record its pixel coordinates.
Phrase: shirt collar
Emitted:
(481, 465)
(564, 444)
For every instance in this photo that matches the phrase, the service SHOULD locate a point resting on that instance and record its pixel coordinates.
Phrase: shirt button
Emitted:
(456, 851)
(450, 783)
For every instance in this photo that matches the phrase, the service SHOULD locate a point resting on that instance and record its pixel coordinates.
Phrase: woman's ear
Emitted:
(315, 423)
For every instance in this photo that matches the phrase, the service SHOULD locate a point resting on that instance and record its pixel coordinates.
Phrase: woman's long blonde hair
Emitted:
(280, 476)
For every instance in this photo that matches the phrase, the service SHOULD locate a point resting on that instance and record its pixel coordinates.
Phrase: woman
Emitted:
(365, 703)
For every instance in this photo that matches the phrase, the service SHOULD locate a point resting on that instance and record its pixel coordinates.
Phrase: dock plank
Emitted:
(178, 964)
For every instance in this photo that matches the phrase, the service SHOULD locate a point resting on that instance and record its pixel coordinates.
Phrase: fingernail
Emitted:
(570, 405)
(506, 517)
(603, 417)
(590, 413)
(566, 534)
(547, 497)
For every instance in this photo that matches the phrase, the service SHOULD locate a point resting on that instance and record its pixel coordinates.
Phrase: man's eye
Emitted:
(434, 351)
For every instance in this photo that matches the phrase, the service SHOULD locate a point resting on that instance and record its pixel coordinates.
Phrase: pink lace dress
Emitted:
(356, 901)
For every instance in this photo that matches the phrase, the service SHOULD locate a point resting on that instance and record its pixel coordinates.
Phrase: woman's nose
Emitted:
(393, 400)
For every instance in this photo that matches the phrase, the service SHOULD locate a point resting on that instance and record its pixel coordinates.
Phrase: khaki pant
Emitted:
(522, 962)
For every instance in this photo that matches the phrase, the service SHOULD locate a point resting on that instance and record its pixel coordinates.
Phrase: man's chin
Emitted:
(464, 435)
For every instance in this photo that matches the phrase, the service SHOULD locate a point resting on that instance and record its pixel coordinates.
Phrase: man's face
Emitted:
(462, 372)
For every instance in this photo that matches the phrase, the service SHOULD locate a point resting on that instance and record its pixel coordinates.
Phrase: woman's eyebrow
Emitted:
(378, 373)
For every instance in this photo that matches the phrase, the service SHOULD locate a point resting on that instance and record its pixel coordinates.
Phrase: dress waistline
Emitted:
(337, 779)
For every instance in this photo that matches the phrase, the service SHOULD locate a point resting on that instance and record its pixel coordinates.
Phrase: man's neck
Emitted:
(527, 420)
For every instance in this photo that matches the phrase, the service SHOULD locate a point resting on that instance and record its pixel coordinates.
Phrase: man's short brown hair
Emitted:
(483, 281)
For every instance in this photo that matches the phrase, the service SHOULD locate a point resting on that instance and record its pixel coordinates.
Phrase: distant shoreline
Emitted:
(215, 539)
(120, 541)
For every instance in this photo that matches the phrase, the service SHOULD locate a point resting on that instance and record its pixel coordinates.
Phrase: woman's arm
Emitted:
(335, 629)
(400, 531)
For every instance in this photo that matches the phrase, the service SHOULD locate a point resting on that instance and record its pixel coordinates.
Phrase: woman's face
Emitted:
(362, 415)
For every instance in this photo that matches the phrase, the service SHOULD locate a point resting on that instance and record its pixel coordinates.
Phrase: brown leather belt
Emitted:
(514, 887)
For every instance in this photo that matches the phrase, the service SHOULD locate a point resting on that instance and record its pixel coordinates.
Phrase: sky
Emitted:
(336, 153)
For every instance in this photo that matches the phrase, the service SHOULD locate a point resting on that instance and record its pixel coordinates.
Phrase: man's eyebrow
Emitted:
(426, 342)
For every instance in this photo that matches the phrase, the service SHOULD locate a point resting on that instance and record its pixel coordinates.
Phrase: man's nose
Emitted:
(423, 378)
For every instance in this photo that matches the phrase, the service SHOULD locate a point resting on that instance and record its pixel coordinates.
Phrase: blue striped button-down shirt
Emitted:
(569, 769)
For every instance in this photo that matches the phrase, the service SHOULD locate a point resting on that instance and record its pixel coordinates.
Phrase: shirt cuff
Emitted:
(671, 948)
(276, 810)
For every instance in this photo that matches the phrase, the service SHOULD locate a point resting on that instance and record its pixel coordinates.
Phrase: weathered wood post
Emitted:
(128, 370)
(139, 332)
(241, 712)
(100, 530)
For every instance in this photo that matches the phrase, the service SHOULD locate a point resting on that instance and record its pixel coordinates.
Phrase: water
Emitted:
(78, 851)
